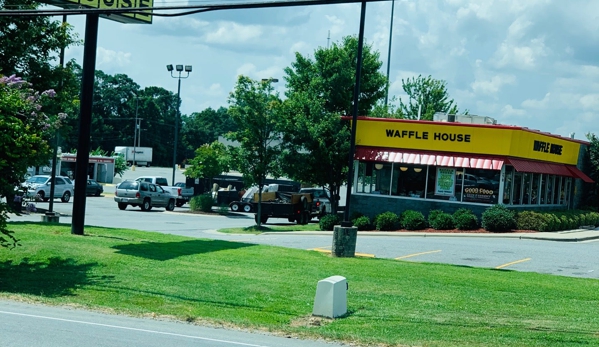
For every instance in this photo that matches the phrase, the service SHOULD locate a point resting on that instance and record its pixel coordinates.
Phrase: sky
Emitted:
(531, 63)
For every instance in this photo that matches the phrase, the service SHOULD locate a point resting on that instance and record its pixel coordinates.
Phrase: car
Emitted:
(320, 200)
(93, 188)
(144, 195)
(39, 185)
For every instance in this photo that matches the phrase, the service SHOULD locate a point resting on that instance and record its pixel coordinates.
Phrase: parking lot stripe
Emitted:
(416, 254)
(328, 251)
(512, 263)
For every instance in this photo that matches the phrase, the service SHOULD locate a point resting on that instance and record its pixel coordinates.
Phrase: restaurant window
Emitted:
(443, 183)
(408, 180)
(366, 177)
(479, 185)
(508, 185)
(555, 190)
(546, 189)
(560, 193)
(517, 192)
(534, 189)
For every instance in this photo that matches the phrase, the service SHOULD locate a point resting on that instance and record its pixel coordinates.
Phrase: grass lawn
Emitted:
(254, 286)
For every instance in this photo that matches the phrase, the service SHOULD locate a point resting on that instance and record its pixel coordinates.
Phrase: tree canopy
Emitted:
(331, 76)
(316, 140)
(255, 111)
(428, 94)
(205, 127)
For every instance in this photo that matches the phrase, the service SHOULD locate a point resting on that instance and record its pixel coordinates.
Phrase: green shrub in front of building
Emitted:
(387, 221)
(328, 222)
(362, 223)
(202, 203)
(413, 220)
(465, 219)
(432, 215)
(443, 221)
(498, 218)
(556, 220)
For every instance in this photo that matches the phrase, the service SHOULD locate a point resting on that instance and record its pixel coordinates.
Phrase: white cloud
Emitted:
(590, 102)
(112, 59)
(493, 84)
(509, 111)
(232, 33)
(537, 104)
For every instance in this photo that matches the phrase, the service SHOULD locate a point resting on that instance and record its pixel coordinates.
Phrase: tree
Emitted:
(590, 197)
(331, 76)
(210, 161)
(204, 127)
(24, 129)
(255, 110)
(29, 45)
(428, 94)
(316, 141)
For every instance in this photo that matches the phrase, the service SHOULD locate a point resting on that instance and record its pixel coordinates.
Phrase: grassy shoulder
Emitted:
(255, 286)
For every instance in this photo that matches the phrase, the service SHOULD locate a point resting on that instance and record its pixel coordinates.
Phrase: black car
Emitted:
(93, 188)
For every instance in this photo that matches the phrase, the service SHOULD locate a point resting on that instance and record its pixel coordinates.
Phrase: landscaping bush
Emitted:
(530, 220)
(202, 203)
(443, 221)
(432, 214)
(466, 221)
(328, 222)
(387, 221)
(462, 211)
(362, 223)
(413, 220)
(498, 218)
(355, 215)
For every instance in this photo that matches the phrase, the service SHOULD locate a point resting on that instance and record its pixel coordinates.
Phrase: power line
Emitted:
(187, 9)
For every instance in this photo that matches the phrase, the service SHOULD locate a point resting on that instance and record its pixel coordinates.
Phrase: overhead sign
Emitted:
(466, 138)
(140, 18)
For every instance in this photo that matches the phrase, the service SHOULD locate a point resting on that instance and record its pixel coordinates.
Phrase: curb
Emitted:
(560, 237)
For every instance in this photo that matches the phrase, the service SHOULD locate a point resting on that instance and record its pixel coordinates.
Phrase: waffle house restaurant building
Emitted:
(426, 165)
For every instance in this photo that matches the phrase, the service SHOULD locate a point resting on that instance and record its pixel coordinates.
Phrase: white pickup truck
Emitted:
(161, 181)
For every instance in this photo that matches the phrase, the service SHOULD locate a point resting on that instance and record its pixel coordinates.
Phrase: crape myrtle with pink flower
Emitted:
(24, 133)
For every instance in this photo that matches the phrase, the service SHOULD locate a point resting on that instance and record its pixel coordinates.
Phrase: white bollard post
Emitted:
(331, 297)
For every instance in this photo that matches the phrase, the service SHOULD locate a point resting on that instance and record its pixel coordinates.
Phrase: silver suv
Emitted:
(40, 185)
(143, 194)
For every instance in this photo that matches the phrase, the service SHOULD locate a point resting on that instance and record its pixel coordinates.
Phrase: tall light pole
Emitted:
(179, 69)
(389, 53)
(135, 130)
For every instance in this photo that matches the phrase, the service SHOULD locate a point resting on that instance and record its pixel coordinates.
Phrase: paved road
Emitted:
(25, 325)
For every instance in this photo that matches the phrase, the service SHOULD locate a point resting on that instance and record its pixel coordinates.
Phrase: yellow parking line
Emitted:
(512, 263)
(328, 251)
(416, 254)
(321, 250)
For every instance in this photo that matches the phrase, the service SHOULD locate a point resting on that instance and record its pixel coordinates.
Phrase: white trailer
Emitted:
(141, 155)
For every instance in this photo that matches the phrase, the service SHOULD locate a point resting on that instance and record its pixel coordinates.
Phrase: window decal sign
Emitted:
(445, 182)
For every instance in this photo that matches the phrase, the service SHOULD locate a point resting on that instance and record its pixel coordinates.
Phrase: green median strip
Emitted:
(269, 288)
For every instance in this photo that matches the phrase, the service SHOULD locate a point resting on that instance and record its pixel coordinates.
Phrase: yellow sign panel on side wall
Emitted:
(465, 138)
(146, 17)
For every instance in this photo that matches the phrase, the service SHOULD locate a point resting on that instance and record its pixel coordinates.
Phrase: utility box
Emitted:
(331, 297)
